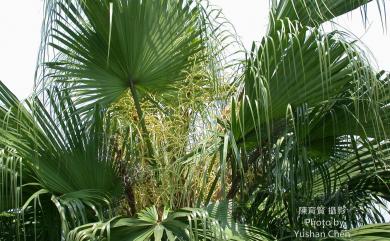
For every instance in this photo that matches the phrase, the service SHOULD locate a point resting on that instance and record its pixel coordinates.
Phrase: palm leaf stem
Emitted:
(141, 118)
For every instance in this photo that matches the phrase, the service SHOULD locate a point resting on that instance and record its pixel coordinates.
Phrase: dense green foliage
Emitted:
(148, 122)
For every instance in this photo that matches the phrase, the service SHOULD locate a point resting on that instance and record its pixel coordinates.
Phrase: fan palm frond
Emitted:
(67, 158)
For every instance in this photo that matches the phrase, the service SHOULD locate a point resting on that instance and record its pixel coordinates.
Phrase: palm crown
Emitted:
(142, 126)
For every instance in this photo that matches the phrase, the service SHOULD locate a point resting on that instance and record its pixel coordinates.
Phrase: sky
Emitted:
(20, 26)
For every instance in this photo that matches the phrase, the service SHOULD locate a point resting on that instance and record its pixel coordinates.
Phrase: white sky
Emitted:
(20, 23)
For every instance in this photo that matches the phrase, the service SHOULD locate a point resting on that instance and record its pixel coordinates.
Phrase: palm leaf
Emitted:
(68, 158)
(117, 45)
(313, 13)
(294, 67)
(184, 224)
(370, 233)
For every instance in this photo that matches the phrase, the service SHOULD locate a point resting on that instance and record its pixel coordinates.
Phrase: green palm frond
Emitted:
(357, 177)
(223, 212)
(150, 224)
(363, 112)
(315, 12)
(66, 157)
(294, 67)
(109, 47)
(10, 167)
(307, 127)
(369, 233)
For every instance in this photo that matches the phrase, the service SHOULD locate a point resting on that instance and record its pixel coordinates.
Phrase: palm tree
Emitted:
(144, 126)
